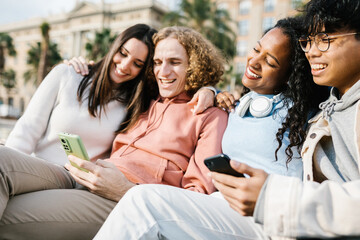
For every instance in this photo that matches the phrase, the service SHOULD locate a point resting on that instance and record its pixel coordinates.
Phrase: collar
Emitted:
(181, 98)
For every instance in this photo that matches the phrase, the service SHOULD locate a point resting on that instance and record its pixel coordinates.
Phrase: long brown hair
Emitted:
(131, 93)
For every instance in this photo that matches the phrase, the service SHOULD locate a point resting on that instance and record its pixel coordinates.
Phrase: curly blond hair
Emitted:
(206, 63)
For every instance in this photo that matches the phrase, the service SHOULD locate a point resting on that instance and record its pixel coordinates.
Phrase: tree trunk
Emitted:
(2, 58)
(43, 62)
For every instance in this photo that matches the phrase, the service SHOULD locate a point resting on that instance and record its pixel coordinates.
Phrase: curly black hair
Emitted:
(301, 95)
(332, 15)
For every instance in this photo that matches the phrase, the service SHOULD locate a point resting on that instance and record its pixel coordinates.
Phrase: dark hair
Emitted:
(301, 95)
(332, 15)
(131, 93)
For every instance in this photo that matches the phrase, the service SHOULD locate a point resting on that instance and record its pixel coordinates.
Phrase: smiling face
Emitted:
(339, 65)
(170, 64)
(128, 61)
(268, 63)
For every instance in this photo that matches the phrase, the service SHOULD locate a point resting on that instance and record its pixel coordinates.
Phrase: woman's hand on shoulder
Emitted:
(202, 100)
(241, 193)
(226, 101)
(79, 64)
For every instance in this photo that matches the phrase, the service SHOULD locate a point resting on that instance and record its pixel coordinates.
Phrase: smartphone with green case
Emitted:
(73, 145)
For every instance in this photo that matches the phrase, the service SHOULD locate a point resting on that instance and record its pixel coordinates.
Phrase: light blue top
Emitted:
(253, 141)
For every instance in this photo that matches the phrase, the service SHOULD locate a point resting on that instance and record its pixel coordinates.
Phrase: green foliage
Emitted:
(7, 42)
(101, 44)
(45, 28)
(206, 18)
(299, 5)
(33, 59)
(8, 79)
(6, 46)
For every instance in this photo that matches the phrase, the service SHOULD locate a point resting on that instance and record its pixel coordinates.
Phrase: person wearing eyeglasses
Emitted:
(325, 204)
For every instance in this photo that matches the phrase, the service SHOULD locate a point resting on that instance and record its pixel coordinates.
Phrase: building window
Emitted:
(296, 3)
(244, 7)
(268, 22)
(240, 67)
(10, 101)
(66, 55)
(243, 27)
(89, 36)
(22, 105)
(223, 6)
(269, 5)
(241, 48)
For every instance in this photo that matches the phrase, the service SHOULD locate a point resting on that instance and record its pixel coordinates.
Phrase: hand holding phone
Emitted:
(73, 145)
(221, 164)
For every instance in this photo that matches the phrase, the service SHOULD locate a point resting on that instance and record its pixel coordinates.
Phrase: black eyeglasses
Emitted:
(322, 41)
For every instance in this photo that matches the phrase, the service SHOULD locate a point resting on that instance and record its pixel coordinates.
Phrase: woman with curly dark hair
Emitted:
(280, 96)
(301, 94)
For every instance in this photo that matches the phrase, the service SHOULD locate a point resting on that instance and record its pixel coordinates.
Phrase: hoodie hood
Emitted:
(334, 104)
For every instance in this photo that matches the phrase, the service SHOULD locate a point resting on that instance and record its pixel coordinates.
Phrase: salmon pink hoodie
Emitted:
(168, 145)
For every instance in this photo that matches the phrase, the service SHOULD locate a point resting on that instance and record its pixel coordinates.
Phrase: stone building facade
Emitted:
(71, 31)
(251, 18)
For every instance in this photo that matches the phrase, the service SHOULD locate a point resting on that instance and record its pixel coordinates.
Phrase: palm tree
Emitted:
(101, 44)
(206, 18)
(43, 61)
(8, 79)
(6, 44)
(33, 60)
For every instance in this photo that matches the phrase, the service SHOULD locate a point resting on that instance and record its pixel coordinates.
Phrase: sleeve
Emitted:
(209, 144)
(294, 208)
(33, 124)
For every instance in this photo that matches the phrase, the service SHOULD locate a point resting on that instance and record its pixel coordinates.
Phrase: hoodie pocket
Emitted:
(172, 174)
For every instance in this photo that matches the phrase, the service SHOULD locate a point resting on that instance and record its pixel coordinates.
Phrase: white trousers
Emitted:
(164, 212)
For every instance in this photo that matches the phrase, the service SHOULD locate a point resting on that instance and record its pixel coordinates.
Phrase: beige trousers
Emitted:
(40, 200)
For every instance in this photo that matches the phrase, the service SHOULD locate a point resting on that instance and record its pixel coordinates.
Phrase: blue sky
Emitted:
(18, 10)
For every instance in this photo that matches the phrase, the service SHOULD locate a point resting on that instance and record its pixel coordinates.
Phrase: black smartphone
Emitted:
(221, 164)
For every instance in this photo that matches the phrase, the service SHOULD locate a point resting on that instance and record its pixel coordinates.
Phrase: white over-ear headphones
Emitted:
(259, 106)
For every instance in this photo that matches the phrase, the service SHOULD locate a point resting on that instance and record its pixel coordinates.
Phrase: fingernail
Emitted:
(209, 174)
